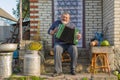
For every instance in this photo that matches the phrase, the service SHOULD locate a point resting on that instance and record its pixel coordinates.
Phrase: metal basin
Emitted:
(8, 47)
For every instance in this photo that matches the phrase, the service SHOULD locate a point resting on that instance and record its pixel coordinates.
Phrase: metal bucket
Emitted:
(6, 64)
(32, 63)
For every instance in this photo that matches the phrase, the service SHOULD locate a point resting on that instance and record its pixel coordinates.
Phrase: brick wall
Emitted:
(108, 19)
(41, 10)
(111, 15)
(40, 18)
(33, 18)
(98, 13)
(45, 17)
(117, 23)
(93, 18)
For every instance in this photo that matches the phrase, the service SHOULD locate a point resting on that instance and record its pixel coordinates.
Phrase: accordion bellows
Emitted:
(67, 34)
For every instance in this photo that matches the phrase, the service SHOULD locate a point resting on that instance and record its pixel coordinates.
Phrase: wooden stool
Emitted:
(104, 60)
(66, 57)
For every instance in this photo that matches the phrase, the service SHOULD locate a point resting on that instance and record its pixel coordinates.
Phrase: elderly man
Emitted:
(60, 46)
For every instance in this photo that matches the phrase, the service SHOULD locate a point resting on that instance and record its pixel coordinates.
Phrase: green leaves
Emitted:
(25, 9)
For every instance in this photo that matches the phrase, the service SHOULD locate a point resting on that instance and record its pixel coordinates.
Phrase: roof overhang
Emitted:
(6, 15)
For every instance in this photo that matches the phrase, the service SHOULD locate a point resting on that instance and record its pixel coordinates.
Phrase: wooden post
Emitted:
(20, 32)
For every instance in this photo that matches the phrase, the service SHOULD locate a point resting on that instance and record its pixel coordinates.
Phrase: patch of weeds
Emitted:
(25, 78)
(85, 78)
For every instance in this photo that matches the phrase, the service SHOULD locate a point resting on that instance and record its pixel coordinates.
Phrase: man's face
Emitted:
(65, 18)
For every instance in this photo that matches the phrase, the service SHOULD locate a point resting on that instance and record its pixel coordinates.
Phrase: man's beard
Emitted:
(64, 22)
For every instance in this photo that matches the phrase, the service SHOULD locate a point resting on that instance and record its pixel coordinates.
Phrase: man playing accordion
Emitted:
(60, 46)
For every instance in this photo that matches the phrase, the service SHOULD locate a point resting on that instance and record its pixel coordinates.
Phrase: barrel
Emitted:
(6, 64)
(31, 63)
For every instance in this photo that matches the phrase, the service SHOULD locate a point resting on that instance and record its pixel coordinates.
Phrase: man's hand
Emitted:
(78, 36)
(52, 32)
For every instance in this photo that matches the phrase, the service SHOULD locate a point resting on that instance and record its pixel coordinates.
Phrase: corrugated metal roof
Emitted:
(6, 15)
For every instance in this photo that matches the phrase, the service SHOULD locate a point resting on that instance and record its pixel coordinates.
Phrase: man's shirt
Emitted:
(56, 25)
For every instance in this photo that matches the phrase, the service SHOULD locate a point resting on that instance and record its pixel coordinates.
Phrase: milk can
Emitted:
(32, 63)
(6, 64)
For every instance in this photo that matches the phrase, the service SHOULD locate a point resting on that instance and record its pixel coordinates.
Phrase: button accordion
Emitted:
(67, 34)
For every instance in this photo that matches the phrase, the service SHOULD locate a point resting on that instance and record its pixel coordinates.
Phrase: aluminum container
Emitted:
(6, 64)
(31, 63)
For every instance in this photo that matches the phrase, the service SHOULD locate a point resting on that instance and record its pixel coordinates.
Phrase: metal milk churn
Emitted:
(6, 64)
(32, 63)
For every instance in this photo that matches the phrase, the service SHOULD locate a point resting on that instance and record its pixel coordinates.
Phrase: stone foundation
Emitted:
(117, 58)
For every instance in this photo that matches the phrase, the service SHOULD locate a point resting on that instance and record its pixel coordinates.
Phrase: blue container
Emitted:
(15, 54)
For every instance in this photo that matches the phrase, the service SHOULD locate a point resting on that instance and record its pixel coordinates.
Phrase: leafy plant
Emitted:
(25, 9)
